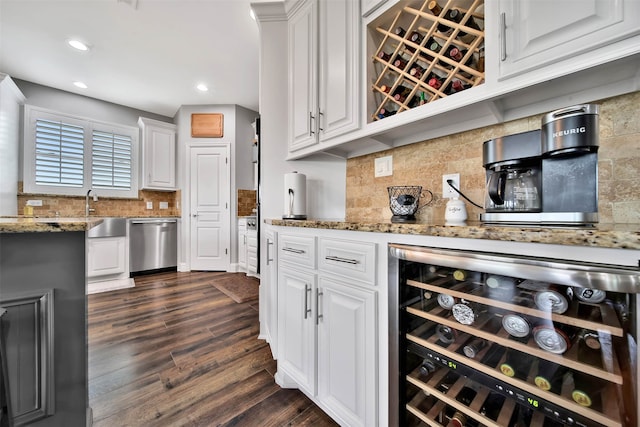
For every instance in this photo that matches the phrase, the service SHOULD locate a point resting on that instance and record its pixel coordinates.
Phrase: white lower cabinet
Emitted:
(106, 256)
(347, 351)
(242, 244)
(297, 327)
(252, 252)
(327, 331)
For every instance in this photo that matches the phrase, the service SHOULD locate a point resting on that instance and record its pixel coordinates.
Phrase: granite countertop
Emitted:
(46, 225)
(618, 236)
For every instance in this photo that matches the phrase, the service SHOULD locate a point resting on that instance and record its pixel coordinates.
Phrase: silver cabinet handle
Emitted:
(311, 132)
(503, 35)
(321, 114)
(339, 259)
(269, 259)
(318, 295)
(293, 250)
(154, 221)
(307, 292)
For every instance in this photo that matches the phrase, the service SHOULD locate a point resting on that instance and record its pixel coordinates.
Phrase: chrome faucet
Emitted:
(87, 209)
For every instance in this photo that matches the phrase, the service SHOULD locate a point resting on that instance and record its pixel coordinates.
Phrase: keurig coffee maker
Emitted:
(547, 176)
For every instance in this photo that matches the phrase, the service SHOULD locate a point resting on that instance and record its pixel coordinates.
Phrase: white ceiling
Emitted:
(145, 54)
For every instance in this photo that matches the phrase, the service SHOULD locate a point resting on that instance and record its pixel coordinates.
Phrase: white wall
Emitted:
(11, 100)
(326, 175)
(244, 143)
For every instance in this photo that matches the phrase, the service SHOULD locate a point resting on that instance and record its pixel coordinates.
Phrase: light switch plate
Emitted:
(34, 202)
(149, 205)
(383, 166)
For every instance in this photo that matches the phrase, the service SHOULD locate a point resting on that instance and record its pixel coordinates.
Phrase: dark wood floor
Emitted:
(175, 351)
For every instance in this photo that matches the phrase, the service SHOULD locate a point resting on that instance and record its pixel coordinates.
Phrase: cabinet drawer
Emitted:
(297, 249)
(354, 260)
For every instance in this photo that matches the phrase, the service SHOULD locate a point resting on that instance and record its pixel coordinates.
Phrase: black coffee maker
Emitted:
(547, 176)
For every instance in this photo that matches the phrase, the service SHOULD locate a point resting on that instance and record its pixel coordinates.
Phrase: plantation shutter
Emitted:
(111, 160)
(59, 153)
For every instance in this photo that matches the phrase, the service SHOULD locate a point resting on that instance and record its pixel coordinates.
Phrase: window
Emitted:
(70, 155)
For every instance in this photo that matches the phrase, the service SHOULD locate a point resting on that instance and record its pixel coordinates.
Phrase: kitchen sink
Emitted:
(110, 227)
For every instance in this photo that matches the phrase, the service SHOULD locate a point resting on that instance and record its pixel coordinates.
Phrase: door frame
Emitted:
(185, 238)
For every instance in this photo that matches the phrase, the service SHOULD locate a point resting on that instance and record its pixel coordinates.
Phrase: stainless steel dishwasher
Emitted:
(153, 244)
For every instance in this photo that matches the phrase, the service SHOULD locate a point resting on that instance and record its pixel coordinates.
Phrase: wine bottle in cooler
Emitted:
(516, 364)
(472, 349)
(587, 390)
(550, 376)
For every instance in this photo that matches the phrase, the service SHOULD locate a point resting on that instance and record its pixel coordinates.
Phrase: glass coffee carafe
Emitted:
(513, 190)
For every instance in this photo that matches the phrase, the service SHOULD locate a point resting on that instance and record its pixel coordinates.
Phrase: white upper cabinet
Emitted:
(324, 46)
(158, 168)
(540, 33)
(369, 6)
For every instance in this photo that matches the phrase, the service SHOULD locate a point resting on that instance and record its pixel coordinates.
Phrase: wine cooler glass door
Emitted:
(484, 339)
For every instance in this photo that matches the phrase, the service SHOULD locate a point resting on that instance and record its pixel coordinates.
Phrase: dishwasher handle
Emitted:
(154, 221)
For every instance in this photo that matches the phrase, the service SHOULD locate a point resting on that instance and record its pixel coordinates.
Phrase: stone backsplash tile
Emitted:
(425, 162)
(74, 206)
(246, 202)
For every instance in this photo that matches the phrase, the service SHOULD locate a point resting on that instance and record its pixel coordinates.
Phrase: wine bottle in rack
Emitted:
(554, 338)
(417, 71)
(446, 334)
(587, 390)
(446, 301)
(516, 364)
(492, 406)
(423, 99)
(437, 82)
(458, 86)
(480, 63)
(472, 349)
(435, 8)
(384, 112)
(457, 55)
(400, 62)
(401, 93)
(399, 31)
(550, 376)
(385, 88)
(382, 55)
(468, 37)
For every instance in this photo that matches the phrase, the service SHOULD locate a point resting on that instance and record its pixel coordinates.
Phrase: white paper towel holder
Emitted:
(295, 196)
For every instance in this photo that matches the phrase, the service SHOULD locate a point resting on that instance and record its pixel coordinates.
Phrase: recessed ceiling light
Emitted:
(80, 85)
(202, 87)
(78, 45)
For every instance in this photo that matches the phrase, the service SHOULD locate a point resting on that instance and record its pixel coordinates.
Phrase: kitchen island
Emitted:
(43, 287)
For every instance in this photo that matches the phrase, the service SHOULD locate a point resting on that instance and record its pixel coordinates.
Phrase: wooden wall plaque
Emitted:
(207, 125)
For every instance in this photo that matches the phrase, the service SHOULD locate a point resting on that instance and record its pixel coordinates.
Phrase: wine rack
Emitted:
(425, 54)
(426, 317)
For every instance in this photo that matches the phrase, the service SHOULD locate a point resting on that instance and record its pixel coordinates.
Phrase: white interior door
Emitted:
(209, 208)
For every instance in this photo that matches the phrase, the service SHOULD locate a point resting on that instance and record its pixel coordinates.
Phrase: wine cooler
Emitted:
(483, 339)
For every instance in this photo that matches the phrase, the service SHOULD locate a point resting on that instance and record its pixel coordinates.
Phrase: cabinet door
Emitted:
(242, 249)
(252, 251)
(158, 155)
(347, 352)
(368, 6)
(339, 58)
(105, 256)
(269, 293)
(303, 51)
(297, 327)
(538, 33)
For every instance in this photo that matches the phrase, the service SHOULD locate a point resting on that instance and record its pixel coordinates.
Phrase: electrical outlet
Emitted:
(447, 191)
(164, 205)
(34, 202)
(383, 166)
